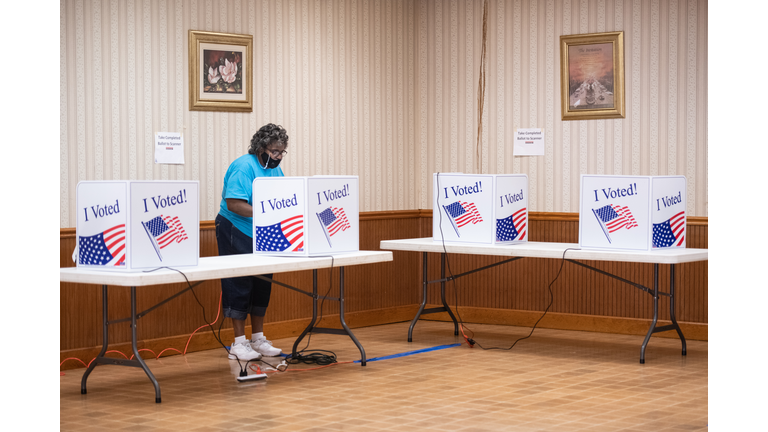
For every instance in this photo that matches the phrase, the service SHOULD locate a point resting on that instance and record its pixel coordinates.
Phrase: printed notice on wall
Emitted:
(169, 148)
(529, 142)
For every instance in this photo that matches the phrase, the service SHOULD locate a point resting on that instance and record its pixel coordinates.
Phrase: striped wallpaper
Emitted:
(386, 90)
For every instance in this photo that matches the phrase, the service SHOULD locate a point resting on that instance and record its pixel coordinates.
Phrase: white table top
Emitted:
(220, 267)
(549, 250)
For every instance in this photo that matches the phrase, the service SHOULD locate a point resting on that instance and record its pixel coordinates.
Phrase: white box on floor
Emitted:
(480, 208)
(632, 212)
(137, 225)
(306, 216)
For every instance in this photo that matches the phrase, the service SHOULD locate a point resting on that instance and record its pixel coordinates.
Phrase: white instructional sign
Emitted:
(529, 142)
(169, 148)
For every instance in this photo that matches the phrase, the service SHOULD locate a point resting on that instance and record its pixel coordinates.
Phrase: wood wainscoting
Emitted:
(513, 294)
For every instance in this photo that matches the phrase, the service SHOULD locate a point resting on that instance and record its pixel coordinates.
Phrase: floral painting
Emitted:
(222, 71)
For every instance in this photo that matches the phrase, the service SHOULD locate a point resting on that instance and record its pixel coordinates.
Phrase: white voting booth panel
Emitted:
(306, 216)
(137, 225)
(477, 208)
(632, 212)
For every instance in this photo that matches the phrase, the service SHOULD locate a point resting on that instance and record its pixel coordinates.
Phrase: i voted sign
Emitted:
(136, 225)
(305, 216)
(668, 215)
(487, 208)
(279, 216)
(102, 225)
(632, 212)
(333, 212)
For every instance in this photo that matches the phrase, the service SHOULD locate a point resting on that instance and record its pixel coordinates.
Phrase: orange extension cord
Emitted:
(157, 356)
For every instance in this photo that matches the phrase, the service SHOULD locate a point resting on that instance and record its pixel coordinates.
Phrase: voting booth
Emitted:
(632, 212)
(306, 216)
(480, 208)
(137, 225)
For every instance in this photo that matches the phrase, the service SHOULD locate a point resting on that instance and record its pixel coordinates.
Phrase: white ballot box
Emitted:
(632, 212)
(480, 208)
(306, 216)
(137, 225)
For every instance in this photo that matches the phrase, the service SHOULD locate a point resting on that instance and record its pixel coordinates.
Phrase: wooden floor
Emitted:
(554, 381)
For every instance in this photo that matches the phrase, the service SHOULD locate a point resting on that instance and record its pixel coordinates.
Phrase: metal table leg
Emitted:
(442, 296)
(443, 280)
(424, 283)
(135, 348)
(672, 306)
(311, 325)
(674, 326)
(655, 312)
(341, 316)
(345, 330)
(101, 359)
(105, 340)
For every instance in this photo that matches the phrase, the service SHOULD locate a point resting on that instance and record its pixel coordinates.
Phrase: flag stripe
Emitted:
(290, 233)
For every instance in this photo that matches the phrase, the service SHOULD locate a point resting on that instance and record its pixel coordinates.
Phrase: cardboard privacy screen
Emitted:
(477, 208)
(305, 216)
(632, 212)
(137, 225)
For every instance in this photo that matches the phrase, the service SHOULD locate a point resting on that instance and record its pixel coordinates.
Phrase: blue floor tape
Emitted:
(439, 347)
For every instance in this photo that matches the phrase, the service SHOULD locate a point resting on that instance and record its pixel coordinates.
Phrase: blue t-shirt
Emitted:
(238, 183)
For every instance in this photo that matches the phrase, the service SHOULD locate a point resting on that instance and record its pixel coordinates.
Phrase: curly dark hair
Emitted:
(267, 135)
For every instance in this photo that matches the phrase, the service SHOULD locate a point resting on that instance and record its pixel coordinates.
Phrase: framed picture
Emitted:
(220, 72)
(592, 76)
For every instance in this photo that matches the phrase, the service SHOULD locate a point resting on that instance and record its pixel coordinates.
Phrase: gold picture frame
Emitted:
(592, 76)
(220, 72)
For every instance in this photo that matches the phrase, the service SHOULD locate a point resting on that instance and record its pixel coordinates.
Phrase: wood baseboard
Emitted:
(204, 339)
(564, 321)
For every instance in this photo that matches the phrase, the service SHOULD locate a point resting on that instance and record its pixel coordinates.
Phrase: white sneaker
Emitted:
(265, 348)
(243, 352)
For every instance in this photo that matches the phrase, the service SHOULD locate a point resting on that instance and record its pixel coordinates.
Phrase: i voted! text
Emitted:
(160, 202)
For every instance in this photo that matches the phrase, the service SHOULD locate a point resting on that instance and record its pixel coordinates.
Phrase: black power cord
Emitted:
(243, 371)
(316, 357)
(470, 340)
(551, 298)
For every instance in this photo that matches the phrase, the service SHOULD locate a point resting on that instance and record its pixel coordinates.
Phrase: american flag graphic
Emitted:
(105, 248)
(165, 230)
(463, 213)
(670, 231)
(287, 235)
(333, 220)
(512, 227)
(614, 217)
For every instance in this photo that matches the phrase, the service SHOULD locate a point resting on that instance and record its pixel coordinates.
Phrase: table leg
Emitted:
(311, 325)
(442, 296)
(655, 312)
(672, 306)
(341, 316)
(105, 339)
(135, 348)
(674, 326)
(424, 283)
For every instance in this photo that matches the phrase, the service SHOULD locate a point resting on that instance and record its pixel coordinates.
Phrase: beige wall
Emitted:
(386, 90)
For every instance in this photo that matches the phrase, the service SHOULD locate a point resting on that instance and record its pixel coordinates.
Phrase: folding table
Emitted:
(568, 251)
(216, 268)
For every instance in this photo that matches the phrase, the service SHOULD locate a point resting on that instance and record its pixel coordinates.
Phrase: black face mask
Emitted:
(268, 162)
